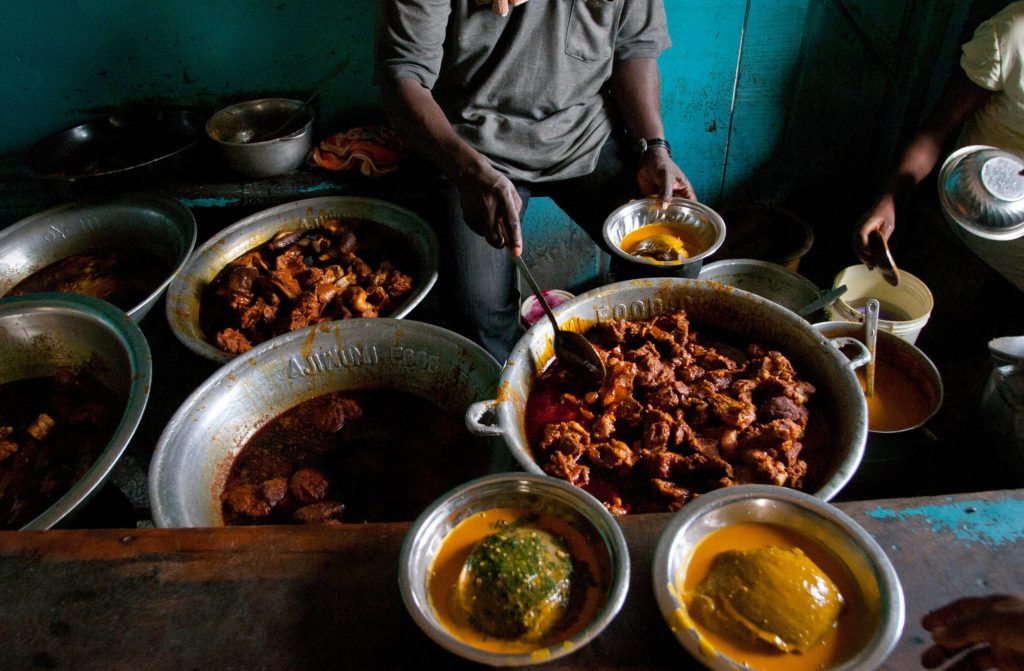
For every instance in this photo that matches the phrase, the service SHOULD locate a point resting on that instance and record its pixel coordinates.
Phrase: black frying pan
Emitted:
(116, 148)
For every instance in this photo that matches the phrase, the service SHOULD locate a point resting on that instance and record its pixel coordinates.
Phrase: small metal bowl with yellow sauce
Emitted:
(514, 569)
(764, 578)
(649, 241)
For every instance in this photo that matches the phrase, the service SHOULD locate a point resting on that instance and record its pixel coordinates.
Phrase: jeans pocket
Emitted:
(591, 33)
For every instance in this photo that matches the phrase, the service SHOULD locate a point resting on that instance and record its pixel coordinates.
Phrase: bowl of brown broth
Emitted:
(124, 250)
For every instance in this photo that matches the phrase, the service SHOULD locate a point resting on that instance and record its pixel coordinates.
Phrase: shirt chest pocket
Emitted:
(591, 33)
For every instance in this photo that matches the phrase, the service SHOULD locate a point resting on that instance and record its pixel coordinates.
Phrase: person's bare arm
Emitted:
(636, 86)
(958, 102)
(490, 202)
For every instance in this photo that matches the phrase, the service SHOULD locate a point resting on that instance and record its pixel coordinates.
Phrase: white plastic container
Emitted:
(905, 309)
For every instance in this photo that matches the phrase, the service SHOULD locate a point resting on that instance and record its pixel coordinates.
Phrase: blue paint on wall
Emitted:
(210, 202)
(985, 522)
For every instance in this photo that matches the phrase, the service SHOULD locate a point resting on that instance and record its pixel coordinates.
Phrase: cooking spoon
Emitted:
(275, 133)
(883, 258)
(871, 340)
(571, 348)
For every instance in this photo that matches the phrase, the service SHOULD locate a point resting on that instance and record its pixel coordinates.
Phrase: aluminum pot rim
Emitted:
(180, 214)
(184, 320)
(508, 426)
(893, 611)
(140, 365)
(605, 525)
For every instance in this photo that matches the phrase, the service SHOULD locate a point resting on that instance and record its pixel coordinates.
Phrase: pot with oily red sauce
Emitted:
(370, 455)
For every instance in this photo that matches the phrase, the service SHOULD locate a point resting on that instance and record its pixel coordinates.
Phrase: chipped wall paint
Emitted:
(985, 522)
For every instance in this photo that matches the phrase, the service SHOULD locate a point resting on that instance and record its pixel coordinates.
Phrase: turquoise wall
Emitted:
(764, 100)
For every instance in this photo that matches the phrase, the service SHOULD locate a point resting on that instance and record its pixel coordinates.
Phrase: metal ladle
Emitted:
(871, 340)
(572, 349)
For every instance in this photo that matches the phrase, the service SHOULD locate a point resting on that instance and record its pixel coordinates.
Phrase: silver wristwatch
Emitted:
(646, 143)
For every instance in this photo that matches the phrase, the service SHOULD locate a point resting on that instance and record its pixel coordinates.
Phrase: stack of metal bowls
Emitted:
(698, 219)
(981, 189)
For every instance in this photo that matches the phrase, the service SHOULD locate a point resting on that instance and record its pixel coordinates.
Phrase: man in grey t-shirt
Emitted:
(520, 104)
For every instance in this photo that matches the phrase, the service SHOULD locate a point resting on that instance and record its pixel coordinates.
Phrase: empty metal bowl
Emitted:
(768, 280)
(807, 516)
(185, 293)
(982, 191)
(198, 446)
(43, 332)
(263, 138)
(162, 226)
(703, 223)
(513, 490)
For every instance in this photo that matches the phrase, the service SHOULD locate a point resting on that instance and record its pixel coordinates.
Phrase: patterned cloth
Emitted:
(373, 150)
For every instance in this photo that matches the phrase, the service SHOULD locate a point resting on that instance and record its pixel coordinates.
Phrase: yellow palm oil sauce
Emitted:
(898, 402)
(851, 629)
(445, 572)
(666, 236)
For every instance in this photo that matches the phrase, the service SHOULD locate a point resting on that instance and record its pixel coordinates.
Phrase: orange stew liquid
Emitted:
(898, 402)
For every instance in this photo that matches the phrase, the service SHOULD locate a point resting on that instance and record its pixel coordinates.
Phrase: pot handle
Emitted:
(481, 417)
(863, 355)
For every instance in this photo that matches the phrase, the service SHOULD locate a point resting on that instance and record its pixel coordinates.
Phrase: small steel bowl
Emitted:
(186, 291)
(704, 223)
(768, 280)
(198, 446)
(803, 514)
(161, 226)
(982, 191)
(263, 138)
(41, 332)
(505, 490)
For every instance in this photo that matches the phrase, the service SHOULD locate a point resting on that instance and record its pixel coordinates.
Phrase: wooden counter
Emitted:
(311, 598)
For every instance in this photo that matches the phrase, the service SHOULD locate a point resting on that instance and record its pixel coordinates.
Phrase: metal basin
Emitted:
(263, 138)
(800, 514)
(194, 454)
(839, 400)
(769, 280)
(162, 226)
(42, 332)
(185, 292)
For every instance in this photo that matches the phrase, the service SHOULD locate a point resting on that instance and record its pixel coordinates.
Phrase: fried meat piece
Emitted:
(308, 485)
(333, 411)
(564, 466)
(7, 446)
(41, 427)
(233, 342)
(321, 512)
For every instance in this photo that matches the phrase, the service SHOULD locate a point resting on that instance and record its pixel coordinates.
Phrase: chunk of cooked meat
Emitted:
(320, 512)
(41, 427)
(309, 485)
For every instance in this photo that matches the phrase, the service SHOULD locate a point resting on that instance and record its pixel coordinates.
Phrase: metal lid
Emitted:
(982, 191)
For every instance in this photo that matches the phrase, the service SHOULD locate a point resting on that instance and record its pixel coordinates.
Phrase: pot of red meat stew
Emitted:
(298, 264)
(75, 375)
(347, 421)
(708, 386)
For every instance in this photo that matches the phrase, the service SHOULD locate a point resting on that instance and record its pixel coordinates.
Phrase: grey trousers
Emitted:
(482, 280)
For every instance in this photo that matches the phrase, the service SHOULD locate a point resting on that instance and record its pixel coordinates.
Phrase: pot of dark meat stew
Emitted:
(707, 386)
(355, 421)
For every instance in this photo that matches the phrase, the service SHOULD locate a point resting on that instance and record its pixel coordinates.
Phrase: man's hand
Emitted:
(660, 177)
(491, 207)
(989, 630)
(881, 218)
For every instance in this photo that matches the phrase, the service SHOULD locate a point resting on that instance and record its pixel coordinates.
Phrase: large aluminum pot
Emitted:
(42, 332)
(186, 291)
(162, 226)
(839, 398)
(194, 454)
